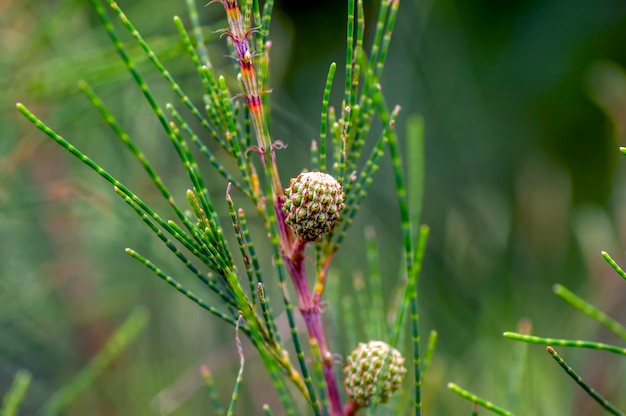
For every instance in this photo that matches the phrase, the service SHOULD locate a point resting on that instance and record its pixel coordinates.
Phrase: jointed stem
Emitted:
(292, 251)
(311, 312)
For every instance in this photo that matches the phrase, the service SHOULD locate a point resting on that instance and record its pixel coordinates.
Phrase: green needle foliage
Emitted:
(478, 401)
(594, 394)
(258, 285)
(589, 310)
(234, 118)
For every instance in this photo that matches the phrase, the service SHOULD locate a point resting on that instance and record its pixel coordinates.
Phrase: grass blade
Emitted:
(235, 394)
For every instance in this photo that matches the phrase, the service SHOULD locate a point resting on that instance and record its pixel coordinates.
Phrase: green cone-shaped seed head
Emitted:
(313, 204)
(373, 372)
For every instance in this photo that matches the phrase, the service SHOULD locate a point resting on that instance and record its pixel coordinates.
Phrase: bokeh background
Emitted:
(525, 108)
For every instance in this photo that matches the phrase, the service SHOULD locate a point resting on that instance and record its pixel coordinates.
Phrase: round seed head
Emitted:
(313, 204)
(373, 372)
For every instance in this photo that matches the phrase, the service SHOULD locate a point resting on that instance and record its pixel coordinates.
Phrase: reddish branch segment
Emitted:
(311, 312)
(292, 249)
(239, 36)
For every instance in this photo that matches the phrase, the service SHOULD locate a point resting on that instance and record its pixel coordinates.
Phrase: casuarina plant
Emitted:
(251, 281)
(306, 219)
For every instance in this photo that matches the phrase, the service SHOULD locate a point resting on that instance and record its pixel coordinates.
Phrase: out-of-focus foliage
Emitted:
(524, 107)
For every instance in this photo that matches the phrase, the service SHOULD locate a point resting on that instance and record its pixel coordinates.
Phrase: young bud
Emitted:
(313, 204)
(373, 371)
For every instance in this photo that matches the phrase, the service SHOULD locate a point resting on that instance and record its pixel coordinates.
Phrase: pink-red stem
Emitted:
(293, 251)
(309, 306)
(350, 409)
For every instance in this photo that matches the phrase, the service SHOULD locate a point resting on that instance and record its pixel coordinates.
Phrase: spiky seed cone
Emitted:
(313, 204)
(373, 371)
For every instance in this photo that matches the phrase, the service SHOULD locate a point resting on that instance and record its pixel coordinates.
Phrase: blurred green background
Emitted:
(525, 107)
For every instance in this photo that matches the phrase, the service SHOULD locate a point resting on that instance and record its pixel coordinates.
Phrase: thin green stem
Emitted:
(15, 395)
(197, 32)
(318, 371)
(518, 366)
(210, 282)
(416, 167)
(242, 246)
(181, 236)
(194, 298)
(377, 315)
(298, 347)
(214, 397)
(324, 116)
(392, 13)
(268, 315)
(191, 51)
(590, 310)
(357, 191)
(348, 320)
(157, 63)
(350, 61)
(609, 407)
(613, 264)
(477, 400)
(358, 49)
(268, 411)
(430, 351)
(267, 16)
(206, 152)
(565, 342)
(235, 394)
(138, 79)
(241, 217)
(363, 302)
